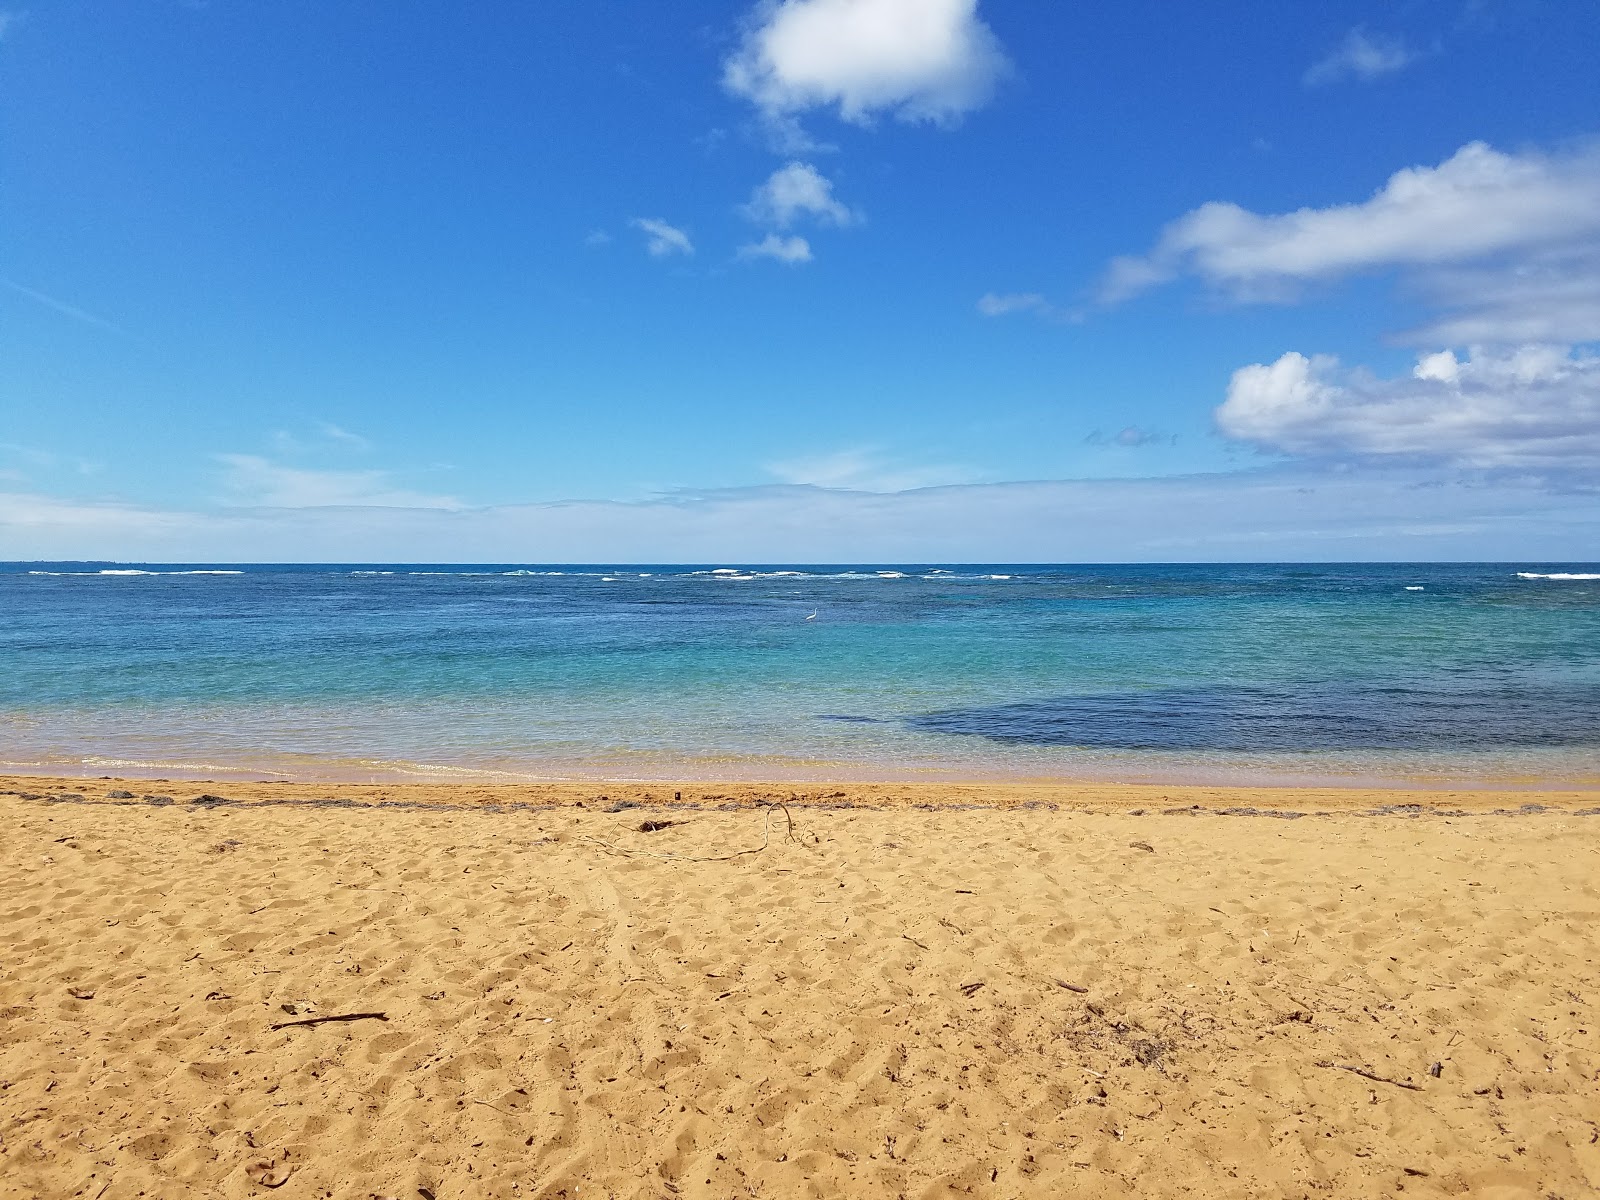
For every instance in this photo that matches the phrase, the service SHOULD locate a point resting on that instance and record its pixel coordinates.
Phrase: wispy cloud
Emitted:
(661, 239)
(1268, 515)
(1001, 304)
(325, 436)
(1005, 304)
(1363, 56)
(37, 459)
(353, 441)
(866, 470)
(791, 251)
(1130, 437)
(249, 479)
(60, 306)
(919, 60)
(10, 18)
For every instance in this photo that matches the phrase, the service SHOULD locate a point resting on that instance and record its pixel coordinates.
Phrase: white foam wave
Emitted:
(740, 574)
(1557, 575)
(129, 571)
(95, 760)
(1414, 587)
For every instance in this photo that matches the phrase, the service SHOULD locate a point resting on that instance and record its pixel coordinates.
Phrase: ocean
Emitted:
(1451, 674)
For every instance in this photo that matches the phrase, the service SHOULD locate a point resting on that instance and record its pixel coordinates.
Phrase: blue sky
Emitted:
(826, 279)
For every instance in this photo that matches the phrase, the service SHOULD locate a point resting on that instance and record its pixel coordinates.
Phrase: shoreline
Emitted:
(1126, 798)
(812, 774)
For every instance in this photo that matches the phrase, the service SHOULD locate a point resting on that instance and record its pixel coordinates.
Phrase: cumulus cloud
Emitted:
(661, 239)
(1535, 408)
(790, 250)
(793, 191)
(1477, 205)
(919, 60)
(1361, 55)
(252, 480)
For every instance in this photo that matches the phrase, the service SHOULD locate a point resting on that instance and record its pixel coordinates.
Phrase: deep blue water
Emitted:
(1449, 671)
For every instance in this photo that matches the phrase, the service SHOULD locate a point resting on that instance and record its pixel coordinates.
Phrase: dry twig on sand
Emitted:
(766, 840)
(1366, 1074)
(361, 1016)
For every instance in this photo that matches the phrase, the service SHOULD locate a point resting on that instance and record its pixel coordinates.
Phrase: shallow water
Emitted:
(1271, 673)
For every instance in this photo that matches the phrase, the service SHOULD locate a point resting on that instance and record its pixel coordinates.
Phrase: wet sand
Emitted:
(924, 990)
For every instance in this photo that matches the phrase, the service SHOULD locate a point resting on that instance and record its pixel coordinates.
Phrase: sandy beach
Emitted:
(911, 990)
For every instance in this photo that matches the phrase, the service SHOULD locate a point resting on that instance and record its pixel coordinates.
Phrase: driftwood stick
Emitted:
(1366, 1074)
(365, 1016)
(766, 839)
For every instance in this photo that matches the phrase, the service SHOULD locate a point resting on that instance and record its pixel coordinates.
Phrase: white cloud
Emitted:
(1000, 304)
(794, 190)
(285, 442)
(1005, 304)
(335, 433)
(790, 250)
(865, 470)
(1550, 296)
(1535, 408)
(252, 480)
(597, 237)
(921, 60)
(1361, 55)
(1272, 515)
(1477, 204)
(661, 239)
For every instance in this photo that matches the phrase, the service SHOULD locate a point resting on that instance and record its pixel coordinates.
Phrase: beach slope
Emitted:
(882, 1000)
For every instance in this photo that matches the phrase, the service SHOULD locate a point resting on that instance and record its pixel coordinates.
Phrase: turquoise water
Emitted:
(1453, 672)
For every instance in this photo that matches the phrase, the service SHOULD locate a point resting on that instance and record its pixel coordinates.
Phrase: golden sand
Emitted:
(1070, 992)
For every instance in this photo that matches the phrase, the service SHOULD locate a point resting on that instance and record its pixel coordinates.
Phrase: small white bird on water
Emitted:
(813, 615)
